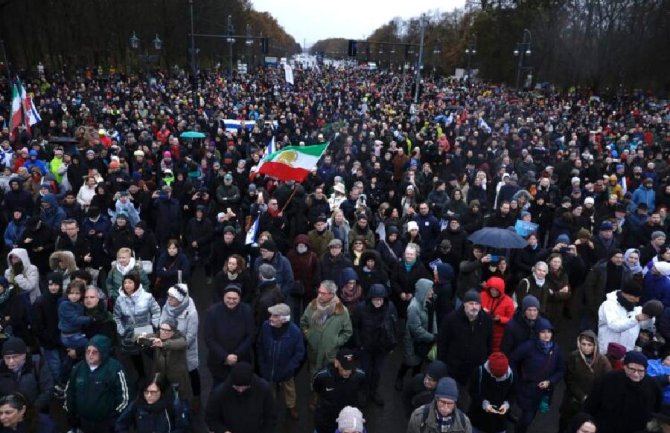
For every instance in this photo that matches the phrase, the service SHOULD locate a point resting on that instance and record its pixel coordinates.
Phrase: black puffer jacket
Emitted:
(142, 417)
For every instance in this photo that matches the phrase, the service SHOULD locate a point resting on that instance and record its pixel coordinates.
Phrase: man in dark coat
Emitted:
(522, 326)
(623, 401)
(333, 262)
(229, 333)
(606, 276)
(465, 338)
(20, 373)
(241, 404)
(168, 216)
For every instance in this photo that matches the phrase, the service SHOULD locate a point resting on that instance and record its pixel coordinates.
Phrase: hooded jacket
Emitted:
(374, 328)
(187, 323)
(29, 278)
(502, 307)
(616, 325)
(54, 215)
(418, 329)
(99, 394)
(581, 371)
(305, 266)
(66, 257)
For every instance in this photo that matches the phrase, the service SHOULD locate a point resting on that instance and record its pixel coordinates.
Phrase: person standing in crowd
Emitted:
(540, 367)
(499, 306)
(440, 415)
(421, 388)
(624, 401)
(125, 263)
(333, 262)
(169, 357)
(19, 372)
(338, 385)
(492, 393)
(241, 404)
(19, 415)
(350, 420)
(404, 277)
(268, 293)
(280, 351)
(22, 274)
(180, 307)
(606, 276)
(229, 333)
(97, 392)
(522, 326)
(172, 267)
(283, 277)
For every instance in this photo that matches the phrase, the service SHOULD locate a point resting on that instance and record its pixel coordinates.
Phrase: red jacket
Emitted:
(501, 306)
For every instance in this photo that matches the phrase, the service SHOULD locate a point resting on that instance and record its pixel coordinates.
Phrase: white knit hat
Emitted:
(178, 291)
(350, 419)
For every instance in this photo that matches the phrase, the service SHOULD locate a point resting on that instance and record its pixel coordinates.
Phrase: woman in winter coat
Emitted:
(405, 276)
(152, 411)
(65, 263)
(170, 348)
(339, 226)
(15, 229)
(421, 330)
(499, 306)
(172, 267)
(39, 240)
(536, 284)
(492, 393)
(181, 308)
(45, 324)
(538, 364)
(234, 272)
(558, 291)
(473, 219)
(584, 365)
(22, 274)
(145, 245)
(456, 206)
(134, 308)
(351, 292)
(374, 322)
(125, 263)
(390, 248)
(371, 271)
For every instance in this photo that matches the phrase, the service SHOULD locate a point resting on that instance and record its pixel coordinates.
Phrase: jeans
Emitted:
(74, 341)
(54, 359)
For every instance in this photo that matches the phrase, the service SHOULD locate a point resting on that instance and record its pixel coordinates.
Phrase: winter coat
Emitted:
(595, 286)
(464, 345)
(377, 275)
(335, 392)
(118, 237)
(331, 267)
(167, 269)
(54, 215)
(461, 422)
(284, 276)
(557, 300)
(34, 381)
(279, 358)
(469, 276)
(643, 195)
(497, 391)
(418, 331)
(305, 267)
(501, 306)
(115, 278)
(318, 242)
(67, 258)
(517, 331)
(374, 328)
(620, 405)
(532, 366)
(616, 325)
(324, 341)
(79, 248)
(93, 235)
(168, 219)
(146, 247)
(170, 362)
(269, 294)
(228, 332)
(45, 320)
(222, 279)
(71, 317)
(16, 309)
(250, 412)
(14, 233)
(136, 310)
(580, 375)
(404, 281)
(201, 232)
(429, 229)
(187, 324)
(368, 234)
(100, 394)
(159, 417)
(656, 287)
(41, 239)
(29, 278)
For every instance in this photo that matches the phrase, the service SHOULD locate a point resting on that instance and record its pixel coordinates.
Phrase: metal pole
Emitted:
(420, 62)
(194, 69)
(230, 44)
(4, 57)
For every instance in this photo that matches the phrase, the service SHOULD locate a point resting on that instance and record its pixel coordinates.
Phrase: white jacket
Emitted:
(29, 279)
(187, 324)
(616, 325)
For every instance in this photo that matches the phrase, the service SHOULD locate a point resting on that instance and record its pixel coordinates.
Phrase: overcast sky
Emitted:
(312, 20)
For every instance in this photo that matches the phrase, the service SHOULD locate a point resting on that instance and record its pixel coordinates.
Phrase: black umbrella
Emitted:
(497, 238)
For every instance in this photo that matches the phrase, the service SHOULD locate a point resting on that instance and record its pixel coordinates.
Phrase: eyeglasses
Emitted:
(635, 370)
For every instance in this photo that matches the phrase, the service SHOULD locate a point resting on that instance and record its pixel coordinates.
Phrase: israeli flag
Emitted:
(252, 233)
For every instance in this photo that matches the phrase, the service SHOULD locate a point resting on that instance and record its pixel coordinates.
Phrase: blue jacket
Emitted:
(228, 332)
(14, 233)
(532, 366)
(279, 359)
(643, 195)
(72, 317)
(429, 229)
(284, 270)
(656, 287)
(54, 215)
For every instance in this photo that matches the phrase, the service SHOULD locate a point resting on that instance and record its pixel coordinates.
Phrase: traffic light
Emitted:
(265, 45)
(353, 48)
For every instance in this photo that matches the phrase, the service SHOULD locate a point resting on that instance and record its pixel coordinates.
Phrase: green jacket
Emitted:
(324, 341)
(115, 279)
(100, 394)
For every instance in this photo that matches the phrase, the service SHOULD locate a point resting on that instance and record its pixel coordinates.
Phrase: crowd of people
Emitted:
(108, 211)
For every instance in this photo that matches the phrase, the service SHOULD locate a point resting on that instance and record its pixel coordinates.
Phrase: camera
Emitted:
(564, 250)
(145, 342)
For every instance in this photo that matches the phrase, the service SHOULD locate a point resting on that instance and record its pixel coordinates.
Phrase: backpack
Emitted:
(426, 410)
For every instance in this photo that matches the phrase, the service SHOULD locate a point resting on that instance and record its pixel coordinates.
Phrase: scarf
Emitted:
(444, 423)
(125, 269)
(175, 312)
(625, 303)
(232, 277)
(544, 346)
(636, 268)
(351, 296)
(538, 281)
(323, 311)
(6, 294)
(408, 266)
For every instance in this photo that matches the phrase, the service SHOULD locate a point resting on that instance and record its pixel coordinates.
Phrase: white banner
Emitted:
(288, 73)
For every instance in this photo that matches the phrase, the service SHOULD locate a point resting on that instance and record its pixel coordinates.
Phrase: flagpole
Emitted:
(9, 74)
(289, 198)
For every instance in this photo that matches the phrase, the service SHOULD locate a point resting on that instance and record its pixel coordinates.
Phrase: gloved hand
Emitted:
(17, 267)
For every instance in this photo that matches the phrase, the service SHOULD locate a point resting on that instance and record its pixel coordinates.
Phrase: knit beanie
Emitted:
(472, 295)
(653, 308)
(436, 370)
(498, 364)
(351, 419)
(633, 357)
(241, 374)
(528, 302)
(179, 292)
(447, 388)
(267, 272)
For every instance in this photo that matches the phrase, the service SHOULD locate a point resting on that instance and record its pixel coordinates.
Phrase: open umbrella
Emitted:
(192, 134)
(497, 238)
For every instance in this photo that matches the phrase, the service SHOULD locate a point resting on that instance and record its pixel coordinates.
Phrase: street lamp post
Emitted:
(470, 51)
(231, 40)
(249, 42)
(522, 50)
(419, 63)
(436, 52)
(146, 58)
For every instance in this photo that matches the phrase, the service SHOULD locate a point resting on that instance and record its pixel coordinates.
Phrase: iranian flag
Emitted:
(17, 109)
(292, 162)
